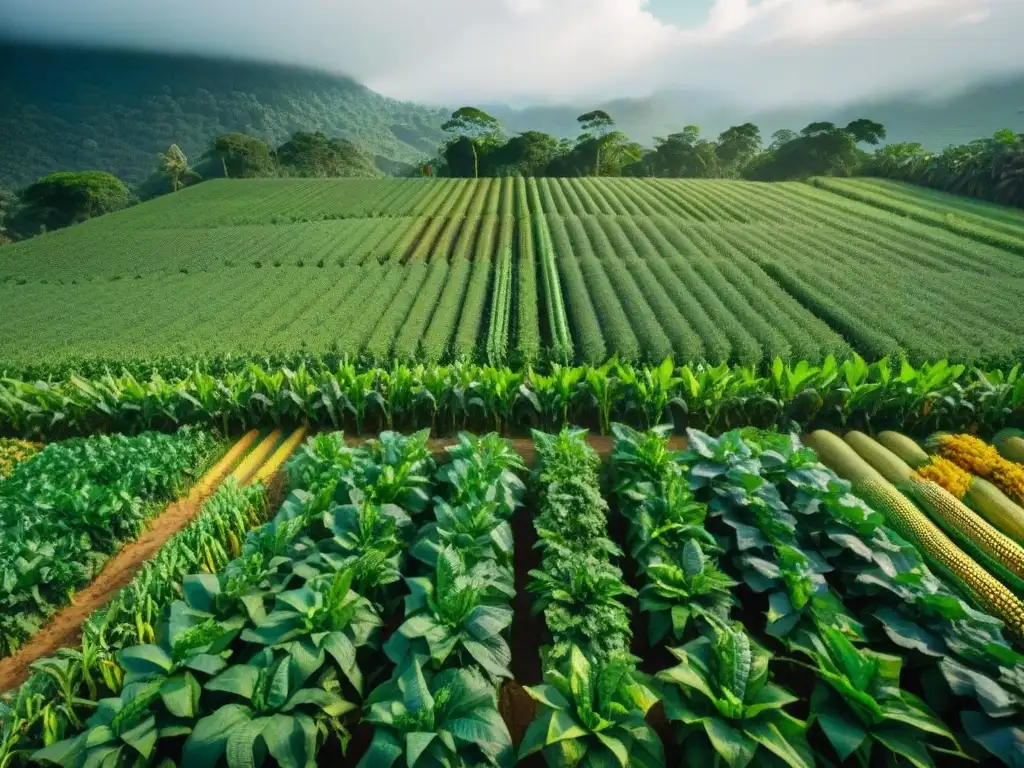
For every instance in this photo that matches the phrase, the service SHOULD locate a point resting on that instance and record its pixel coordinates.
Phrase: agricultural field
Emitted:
(512, 271)
(638, 600)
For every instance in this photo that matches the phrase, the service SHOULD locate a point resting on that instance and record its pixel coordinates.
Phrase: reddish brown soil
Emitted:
(64, 629)
(517, 709)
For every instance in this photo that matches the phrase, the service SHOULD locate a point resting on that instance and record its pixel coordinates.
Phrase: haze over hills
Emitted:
(934, 121)
(77, 108)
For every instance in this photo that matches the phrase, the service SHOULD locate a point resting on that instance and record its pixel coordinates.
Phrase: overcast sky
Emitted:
(767, 52)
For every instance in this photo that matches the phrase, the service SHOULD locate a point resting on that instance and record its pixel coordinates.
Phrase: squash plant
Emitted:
(591, 713)
(727, 709)
(429, 719)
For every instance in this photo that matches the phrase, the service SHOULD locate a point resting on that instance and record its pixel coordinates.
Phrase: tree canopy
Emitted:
(66, 198)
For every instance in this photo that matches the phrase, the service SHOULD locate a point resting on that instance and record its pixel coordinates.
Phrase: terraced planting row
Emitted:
(518, 271)
(732, 601)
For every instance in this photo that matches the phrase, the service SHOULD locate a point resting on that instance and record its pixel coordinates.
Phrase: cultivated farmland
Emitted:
(503, 270)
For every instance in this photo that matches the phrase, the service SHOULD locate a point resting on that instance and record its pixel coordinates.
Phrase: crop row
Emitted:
(76, 504)
(339, 394)
(283, 654)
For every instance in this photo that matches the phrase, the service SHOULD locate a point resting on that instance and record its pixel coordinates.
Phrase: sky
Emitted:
(763, 52)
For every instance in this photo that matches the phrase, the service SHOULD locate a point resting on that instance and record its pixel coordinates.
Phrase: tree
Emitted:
(737, 146)
(475, 126)
(8, 202)
(318, 155)
(685, 154)
(243, 156)
(526, 154)
(174, 166)
(596, 126)
(66, 198)
(866, 131)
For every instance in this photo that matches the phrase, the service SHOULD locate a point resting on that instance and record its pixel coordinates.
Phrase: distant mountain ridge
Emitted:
(81, 108)
(86, 108)
(976, 112)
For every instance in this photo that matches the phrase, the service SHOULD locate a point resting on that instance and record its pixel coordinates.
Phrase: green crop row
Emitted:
(63, 514)
(341, 395)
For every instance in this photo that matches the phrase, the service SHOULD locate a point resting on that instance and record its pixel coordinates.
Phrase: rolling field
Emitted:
(512, 270)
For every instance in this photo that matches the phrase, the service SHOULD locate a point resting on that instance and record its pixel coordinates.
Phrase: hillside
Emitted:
(76, 109)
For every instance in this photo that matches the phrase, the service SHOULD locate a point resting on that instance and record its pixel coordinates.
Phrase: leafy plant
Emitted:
(860, 707)
(691, 588)
(447, 718)
(592, 714)
(727, 708)
(456, 618)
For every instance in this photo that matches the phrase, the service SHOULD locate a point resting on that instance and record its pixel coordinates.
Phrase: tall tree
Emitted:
(737, 146)
(866, 131)
(596, 127)
(243, 156)
(475, 126)
(174, 165)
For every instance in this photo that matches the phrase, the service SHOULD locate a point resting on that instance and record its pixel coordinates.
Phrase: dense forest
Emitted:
(85, 109)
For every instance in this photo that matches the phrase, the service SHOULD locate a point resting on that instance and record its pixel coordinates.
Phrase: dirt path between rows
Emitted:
(64, 629)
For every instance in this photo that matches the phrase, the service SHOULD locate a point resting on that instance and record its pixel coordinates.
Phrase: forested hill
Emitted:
(76, 109)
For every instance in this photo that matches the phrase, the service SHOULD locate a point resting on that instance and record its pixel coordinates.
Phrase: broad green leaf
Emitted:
(180, 695)
(206, 744)
(415, 744)
(790, 747)
(904, 742)
(142, 661)
(287, 742)
(735, 747)
(239, 679)
(383, 752)
(548, 695)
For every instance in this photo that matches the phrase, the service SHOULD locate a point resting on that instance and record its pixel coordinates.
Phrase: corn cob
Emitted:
(904, 447)
(911, 523)
(999, 554)
(254, 459)
(976, 492)
(1010, 444)
(280, 456)
(982, 460)
(216, 472)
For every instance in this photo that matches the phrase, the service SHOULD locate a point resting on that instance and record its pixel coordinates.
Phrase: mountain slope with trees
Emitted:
(67, 109)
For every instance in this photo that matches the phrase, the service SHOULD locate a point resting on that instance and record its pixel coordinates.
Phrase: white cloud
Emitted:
(767, 52)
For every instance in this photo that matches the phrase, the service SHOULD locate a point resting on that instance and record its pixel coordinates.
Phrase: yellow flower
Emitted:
(948, 475)
(983, 460)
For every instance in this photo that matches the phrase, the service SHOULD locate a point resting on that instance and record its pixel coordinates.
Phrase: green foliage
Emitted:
(989, 168)
(65, 198)
(860, 707)
(242, 156)
(591, 713)
(727, 709)
(436, 719)
(74, 505)
(314, 154)
(113, 110)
